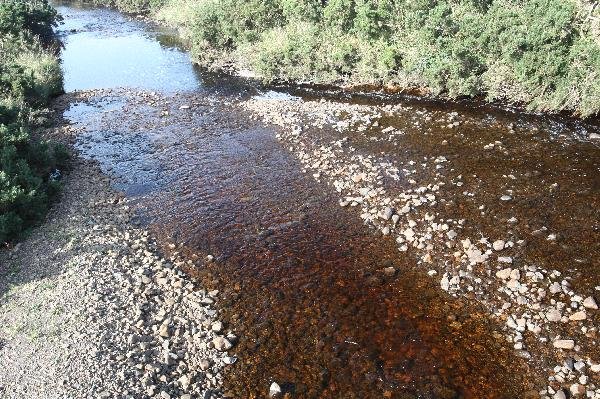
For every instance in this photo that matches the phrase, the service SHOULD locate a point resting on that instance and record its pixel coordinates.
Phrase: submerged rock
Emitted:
(564, 344)
(274, 390)
(590, 303)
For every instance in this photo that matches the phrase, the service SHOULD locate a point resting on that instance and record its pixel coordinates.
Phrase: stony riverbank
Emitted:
(90, 308)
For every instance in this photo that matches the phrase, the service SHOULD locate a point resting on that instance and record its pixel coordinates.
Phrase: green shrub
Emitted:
(444, 50)
(373, 19)
(340, 14)
(303, 10)
(29, 77)
(131, 6)
(28, 17)
(25, 166)
(288, 53)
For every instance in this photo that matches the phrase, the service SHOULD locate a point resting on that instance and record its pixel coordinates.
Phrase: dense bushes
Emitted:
(132, 6)
(29, 77)
(34, 17)
(543, 53)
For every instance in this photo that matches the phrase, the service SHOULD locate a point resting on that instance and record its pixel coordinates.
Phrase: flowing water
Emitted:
(304, 284)
(105, 49)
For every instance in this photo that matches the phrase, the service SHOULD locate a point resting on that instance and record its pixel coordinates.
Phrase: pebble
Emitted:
(560, 394)
(577, 316)
(163, 331)
(555, 288)
(564, 344)
(498, 245)
(387, 213)
(229, 360)
(274, 390)
(579, 365)
(222, 344)
(554, 315)
(217, 326)
(590, 303)
(204, 364)
(504, 274)
(577, 389)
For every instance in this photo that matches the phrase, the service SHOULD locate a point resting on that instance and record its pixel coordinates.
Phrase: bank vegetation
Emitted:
(30, 76)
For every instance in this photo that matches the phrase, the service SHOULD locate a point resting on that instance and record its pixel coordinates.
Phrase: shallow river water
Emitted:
(322, 304)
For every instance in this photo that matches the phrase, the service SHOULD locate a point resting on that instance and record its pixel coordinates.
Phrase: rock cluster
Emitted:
(119, 320)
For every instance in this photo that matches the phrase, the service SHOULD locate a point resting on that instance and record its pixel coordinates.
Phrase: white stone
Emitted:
(475, 255)
(204, 364)
(504, 274)
(578, 316)
(222, 344)
(387, 213)
(553, 315)
(590, 303)
(274, 389)
(564, 344)
(445, 283)
(577, 389)
(217, 326)
(515, 275)
(184, 381)
(555, 288)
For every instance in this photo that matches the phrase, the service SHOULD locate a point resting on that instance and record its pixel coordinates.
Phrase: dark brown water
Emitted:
(547, 163)
(303, 283)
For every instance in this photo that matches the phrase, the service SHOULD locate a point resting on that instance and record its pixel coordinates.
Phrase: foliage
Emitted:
(131, 6)
(536, 52)
(29, 77)
(34, 17)
(541, 53)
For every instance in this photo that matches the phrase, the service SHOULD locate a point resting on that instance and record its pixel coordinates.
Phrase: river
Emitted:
(323, 304)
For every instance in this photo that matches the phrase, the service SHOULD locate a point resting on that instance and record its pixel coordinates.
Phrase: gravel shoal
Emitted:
(89, 308)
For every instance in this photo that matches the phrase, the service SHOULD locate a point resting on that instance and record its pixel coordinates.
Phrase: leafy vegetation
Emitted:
(29, 76)
(541, 53)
